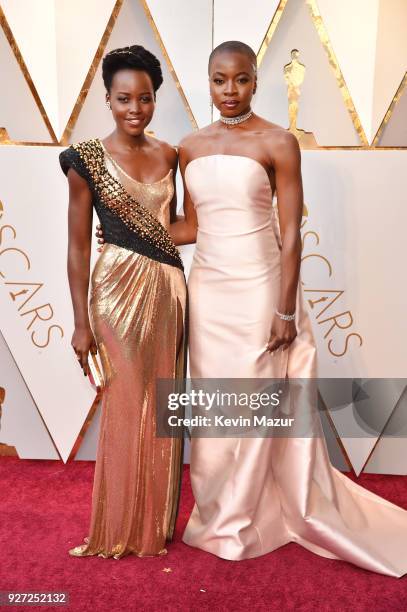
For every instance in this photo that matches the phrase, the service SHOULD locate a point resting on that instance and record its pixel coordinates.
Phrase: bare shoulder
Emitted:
(282, 145)
(188, 142)
(276, 135)
(191, 141)
(284, 139)
(169, 151)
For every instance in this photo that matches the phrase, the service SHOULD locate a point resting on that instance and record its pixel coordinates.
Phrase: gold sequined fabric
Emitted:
(156, 197)
(137, 309)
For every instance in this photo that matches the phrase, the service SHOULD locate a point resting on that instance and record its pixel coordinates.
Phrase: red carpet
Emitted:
(45, 511)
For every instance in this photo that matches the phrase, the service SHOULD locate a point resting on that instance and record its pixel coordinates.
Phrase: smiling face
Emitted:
(132, 100)
(232, 79)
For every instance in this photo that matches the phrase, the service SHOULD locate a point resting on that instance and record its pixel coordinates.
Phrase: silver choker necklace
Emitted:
(236, 120)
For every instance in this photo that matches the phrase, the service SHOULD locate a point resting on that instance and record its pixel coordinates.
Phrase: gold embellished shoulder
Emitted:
(91, 154)
(75, 153)
(87, 158)
(110, 197)
(77, 156)
(87, 148)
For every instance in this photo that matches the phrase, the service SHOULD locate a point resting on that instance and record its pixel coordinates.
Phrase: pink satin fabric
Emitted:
(256, 494)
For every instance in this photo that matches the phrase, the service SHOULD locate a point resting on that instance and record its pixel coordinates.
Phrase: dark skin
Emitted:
(233, 82)
(145, 159)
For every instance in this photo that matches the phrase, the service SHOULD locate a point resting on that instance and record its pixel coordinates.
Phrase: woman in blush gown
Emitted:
(136, 311)
(248, 319)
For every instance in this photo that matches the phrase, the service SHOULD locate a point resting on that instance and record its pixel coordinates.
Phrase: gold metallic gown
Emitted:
(137, 311)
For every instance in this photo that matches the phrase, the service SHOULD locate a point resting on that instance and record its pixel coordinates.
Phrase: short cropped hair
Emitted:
(234, 46)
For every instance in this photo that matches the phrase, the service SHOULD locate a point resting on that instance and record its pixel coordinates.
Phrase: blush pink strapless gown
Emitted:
(256, 494)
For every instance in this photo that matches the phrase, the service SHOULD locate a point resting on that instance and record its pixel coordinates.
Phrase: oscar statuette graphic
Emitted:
(294, 74)
(4, 137)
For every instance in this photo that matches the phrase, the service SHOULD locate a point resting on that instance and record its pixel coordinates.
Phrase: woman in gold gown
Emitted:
(136, 313)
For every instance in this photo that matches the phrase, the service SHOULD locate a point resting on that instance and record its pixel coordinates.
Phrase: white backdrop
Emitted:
(353, 231)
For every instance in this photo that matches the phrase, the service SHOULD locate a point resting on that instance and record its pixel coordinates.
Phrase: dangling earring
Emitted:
(108, 104)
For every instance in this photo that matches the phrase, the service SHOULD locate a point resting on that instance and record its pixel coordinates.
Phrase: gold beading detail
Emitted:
(114, 197)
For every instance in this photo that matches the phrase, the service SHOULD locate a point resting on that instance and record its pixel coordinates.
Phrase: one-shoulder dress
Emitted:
(137, 313)
(256, 494)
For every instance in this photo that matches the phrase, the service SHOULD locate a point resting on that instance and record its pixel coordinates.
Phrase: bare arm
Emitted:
(184, 230)
(173, 204)
(290, 204)
(79, 246)
(287, 166)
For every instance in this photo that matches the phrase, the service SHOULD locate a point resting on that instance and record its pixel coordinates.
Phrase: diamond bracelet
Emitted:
(286, 317)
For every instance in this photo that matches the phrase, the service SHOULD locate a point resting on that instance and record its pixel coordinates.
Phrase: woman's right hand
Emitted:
(99, 236)
(82, 342)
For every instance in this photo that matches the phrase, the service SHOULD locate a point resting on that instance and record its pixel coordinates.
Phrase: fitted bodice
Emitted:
(231, 193)
(234, 204)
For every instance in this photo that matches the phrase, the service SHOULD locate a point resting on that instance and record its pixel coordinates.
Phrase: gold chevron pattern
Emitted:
(269, 32)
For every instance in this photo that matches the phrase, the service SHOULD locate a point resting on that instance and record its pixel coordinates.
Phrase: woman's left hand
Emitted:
(281, 335)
